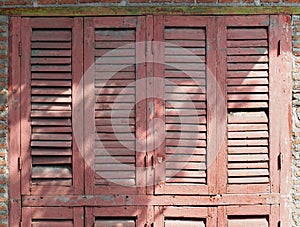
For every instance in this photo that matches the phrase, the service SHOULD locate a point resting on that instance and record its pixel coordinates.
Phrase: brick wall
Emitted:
(296, 113)
(36, 3)
(3, 119)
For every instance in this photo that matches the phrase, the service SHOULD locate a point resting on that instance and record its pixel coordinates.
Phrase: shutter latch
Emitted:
(20, 49)
(279, 161)
(20, 163)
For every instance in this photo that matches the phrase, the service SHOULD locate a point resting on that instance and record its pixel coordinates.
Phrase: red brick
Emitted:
(229, 1)
(3, 216)
(2, 75)
(89, 1)
(248, 1)
(67, 1)
(296, 45)
(3, 225)
(2, 163)
(266, 1)
(2, 199)
(14, 2)
(161, 0)
(45, 2)
(2, 171)
(292, 1)
(207, 1)
(138, 1)
(2, 190)
(184, 1)
(111, 1)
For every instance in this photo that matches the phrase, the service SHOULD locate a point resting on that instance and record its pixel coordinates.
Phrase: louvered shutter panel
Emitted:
(125, 216)
(116, 103)
(251, 215)
(170, 216)
(182, 165)
(52, 216)
(51, 159)
(248, 222)
(249, 55)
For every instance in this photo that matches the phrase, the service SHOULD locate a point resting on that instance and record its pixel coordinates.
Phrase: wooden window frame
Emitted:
(280, 123)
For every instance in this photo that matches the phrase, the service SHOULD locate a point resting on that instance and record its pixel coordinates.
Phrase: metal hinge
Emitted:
(278, 48)
(20, 49)
(146, 160)
(20, 163)
(152, 48)
(279, 161)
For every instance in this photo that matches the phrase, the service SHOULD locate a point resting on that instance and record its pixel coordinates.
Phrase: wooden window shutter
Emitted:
(51, 65)
(115, 102)
(249, 48)
(184, 73)
(52, 216)
(170, 216)
(127, 216)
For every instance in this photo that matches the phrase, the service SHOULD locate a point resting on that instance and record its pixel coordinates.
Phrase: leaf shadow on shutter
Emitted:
(51, 162)
(115, 68)
(185, 63)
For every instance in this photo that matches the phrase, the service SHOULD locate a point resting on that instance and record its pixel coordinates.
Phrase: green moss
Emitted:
(139, 10)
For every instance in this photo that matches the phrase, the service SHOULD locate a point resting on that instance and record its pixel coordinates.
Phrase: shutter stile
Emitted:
(51, 106)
